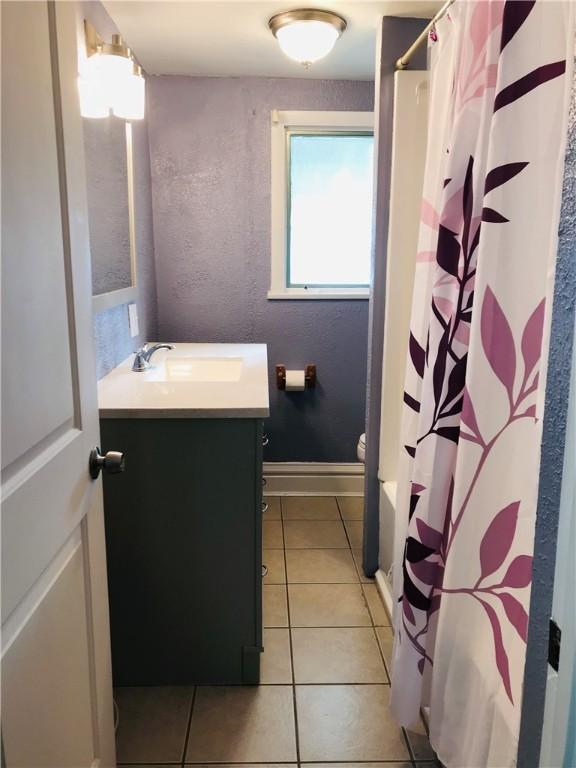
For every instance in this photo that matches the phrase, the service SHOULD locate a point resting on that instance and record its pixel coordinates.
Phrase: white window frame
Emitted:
(283, 124)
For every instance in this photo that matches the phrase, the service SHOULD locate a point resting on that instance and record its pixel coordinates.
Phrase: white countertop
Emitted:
(157, 392)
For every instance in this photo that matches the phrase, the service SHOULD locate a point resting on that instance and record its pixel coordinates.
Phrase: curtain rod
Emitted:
(404, 60)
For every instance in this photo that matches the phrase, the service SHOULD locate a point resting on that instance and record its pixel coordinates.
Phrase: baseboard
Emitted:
(313, 479)
(385, 590)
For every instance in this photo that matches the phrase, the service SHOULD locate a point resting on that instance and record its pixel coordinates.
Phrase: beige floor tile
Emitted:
(419, 743)
(347, 722)
(386, 640)
(310, 508)
(273, 559)
(320, 566)
(315, 534)
(351, 507)
(273, 511)
(375, 605)
(342, 655)
(357, 554)
(275, 664)
(272, 534)
(153, 722)
(354, 530)
(327, 605)
(359, 765)
(274, 606)
(242, 724)
(244, 765)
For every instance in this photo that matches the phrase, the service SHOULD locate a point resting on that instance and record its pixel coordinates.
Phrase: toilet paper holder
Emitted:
(309, 376)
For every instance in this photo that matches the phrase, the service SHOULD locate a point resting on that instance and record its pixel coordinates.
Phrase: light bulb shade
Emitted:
(130, 98)
(111, 82)
(112, 69)
(307, 35)
(93, 102)
(307, 41)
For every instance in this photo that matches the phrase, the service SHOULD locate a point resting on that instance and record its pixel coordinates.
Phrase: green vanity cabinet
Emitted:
(184, 549)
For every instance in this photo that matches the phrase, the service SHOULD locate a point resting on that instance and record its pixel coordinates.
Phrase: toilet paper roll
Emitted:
(295, 381)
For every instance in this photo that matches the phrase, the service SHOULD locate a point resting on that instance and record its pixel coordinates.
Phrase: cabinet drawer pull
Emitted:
(264, 507)
(264, 570)
(265, 440)
(264, 481)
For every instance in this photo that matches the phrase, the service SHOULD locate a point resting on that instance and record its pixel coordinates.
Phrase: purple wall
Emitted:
(210, 159)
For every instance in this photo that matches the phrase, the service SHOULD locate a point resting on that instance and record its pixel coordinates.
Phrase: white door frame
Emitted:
(559, 685)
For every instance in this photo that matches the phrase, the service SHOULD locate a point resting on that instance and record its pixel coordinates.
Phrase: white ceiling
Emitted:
(214, 38)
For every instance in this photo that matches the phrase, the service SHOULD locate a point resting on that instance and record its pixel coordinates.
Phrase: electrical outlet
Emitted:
(133, 319)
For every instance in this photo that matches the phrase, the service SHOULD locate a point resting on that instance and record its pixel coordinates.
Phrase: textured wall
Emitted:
(210, 156)
(550, 484)
(111, 332)
(397, 35)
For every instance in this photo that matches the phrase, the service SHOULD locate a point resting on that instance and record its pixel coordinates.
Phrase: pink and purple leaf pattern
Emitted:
(475, 367)
(498, 342)
(498, 539)
(499, 650)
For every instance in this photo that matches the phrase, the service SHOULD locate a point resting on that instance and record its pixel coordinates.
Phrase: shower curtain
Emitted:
(475, 373)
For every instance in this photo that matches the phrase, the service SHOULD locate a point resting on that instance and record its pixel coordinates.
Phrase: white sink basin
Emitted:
(190, 381)
(202, 369)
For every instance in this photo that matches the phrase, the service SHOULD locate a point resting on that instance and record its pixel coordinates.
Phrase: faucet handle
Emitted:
(143, 355)
(140, 361)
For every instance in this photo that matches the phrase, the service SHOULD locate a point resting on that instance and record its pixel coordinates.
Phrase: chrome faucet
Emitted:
(143, 355)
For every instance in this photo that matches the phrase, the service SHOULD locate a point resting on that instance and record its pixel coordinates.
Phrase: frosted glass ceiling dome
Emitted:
(307, 35)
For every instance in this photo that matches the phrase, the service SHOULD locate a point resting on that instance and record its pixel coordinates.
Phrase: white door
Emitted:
(56, 672)
(559, 687)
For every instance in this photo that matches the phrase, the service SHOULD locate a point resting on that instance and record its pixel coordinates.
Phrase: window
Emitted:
(322, 178)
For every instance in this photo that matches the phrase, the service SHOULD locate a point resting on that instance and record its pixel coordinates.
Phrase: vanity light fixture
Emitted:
(130, 98)
(110, 79)
(307, 34)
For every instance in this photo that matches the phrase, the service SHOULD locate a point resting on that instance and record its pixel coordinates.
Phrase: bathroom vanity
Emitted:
(183, 522)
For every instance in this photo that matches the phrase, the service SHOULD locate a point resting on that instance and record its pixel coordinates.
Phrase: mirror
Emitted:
(108, 152)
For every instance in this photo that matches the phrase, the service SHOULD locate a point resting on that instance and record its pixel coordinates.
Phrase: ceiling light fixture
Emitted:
(110, 79)
(307, 34)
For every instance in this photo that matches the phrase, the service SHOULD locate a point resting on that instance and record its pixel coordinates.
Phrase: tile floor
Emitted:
(324, 690)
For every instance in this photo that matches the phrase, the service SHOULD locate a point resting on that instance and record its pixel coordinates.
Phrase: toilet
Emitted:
(387, 521)
(361, 448)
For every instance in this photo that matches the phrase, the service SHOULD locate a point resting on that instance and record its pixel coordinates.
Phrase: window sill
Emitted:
(311, 293)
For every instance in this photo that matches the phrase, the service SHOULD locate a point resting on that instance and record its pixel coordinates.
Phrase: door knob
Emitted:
(112, 462)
